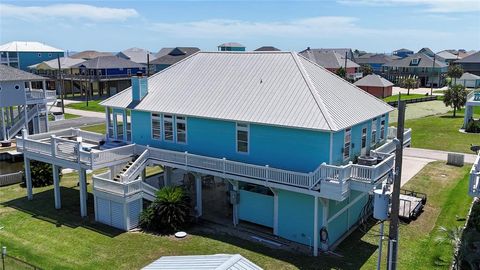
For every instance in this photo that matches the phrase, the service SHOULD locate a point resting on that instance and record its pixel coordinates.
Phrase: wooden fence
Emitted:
(11, 178)
(414, 100)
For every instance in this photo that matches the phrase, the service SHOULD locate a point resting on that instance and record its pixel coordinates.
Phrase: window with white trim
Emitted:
(168, 127)
(382, 128)
(110, 122)
(156, 126)
(346, 144)
(364, 137)
(181, 125)
(129, 125)
(374, 131)
(242, 137)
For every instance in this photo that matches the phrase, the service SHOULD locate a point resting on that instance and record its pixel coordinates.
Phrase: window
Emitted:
(17, 86)
(364, 137)
(49, 54)
(156, 126)
(242, 138)
(168, 127)
(374, 131)
(129, 126)
(415, 61)
(39, 55)
(346, 146)
(119, 123)
(181, 129)
(382, 128)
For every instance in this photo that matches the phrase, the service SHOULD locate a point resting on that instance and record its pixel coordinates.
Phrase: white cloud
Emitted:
(327, 27)
(67, 12)
(434, 6)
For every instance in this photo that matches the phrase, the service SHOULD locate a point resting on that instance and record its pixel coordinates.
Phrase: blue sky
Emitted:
(371, 25)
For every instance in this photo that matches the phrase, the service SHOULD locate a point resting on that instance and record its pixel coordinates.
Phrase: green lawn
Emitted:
(59, 239)
(100, 128)
(440, 132)
(93, 105)
(404, 97)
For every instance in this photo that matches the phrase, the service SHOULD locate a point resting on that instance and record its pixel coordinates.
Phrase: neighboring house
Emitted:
(471, 63)
(267, 49)
(90, 54)
(253, 137)
(341, 51)
(332, 61)
(172, 57)
(375, 61)
(426, 51)
(375, 85)
(104, 74)
(207, 262)
(448, 56)
(23, 102)
(137, 55)
(50, 69)
(402, 53)
(469, 80)
(21, 54)
(231, 47)
(425, 68)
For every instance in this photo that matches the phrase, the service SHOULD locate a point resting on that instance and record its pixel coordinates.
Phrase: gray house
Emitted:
(471, 63)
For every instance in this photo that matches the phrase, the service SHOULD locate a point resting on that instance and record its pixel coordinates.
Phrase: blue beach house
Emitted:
(22, 54)
(265, 139)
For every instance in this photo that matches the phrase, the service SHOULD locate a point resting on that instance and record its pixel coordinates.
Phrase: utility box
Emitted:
(381, 204)
(455, 159)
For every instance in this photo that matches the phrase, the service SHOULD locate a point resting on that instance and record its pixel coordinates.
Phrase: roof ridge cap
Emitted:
(314, 93)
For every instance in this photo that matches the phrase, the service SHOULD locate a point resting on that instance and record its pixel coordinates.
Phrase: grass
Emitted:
(100, 128)
(441, 132)
(404, 97)
(59, 239)
(93, 106)
(421, 109)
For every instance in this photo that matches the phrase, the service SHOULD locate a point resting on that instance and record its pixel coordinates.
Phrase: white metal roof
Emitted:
(203, 262)
(271, 88)
(373, 80)
(27, 46)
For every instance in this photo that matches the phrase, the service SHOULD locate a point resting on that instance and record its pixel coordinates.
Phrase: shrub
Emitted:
(473, 126)
(42, 174)
(168, 213)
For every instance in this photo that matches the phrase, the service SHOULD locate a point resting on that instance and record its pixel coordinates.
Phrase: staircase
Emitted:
(20, 122)
(118, 176)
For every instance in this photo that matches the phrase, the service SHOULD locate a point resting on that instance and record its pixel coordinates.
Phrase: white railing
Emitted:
(21, 122)
(89, 136)
(50, 94)
(102, 183)
(135, 169)
(371, 174)
(111, 155)
(11, 178)
(474, 181)
(389, 146)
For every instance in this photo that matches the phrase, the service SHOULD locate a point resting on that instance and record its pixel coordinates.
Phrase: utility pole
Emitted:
(148, 64)
(60, 82)
(346, 65)
(394, 221)
(433, 68)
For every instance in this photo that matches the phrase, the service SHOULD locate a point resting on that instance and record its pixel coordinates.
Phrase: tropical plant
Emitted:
(409, 83)
(341, 72)
(455, 97)
(367, 69)
(168, 213)
(452, 236)
(455, 72)
(41, 173)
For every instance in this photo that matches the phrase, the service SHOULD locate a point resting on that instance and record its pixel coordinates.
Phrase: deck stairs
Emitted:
(118, 176)
(19, 121)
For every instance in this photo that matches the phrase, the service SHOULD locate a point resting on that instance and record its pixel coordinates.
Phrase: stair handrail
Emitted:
(17, 126)
(134, 170)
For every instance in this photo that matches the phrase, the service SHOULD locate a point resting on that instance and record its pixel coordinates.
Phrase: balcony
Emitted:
(73, 148)
(39, 96)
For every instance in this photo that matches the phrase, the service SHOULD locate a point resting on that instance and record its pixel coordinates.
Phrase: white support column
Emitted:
(56, 186)
(4, 126)
(234, 203)
(315, 227)
(83, 191)
(325, 205)
(275, 211)
(198, 192)
(28, 178)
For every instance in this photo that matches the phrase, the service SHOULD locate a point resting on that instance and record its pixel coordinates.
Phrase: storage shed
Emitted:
(375, 85)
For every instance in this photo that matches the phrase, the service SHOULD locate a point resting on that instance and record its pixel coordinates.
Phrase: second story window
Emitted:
(346, 144)
(168, 127)
(364, 137)
(156, 126)
(374, 131)
(382, 128)
(242, 138)
(181, 129)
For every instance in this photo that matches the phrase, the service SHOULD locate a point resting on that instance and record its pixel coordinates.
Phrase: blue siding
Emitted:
(256, 207)
(31, 58)
(291, 149)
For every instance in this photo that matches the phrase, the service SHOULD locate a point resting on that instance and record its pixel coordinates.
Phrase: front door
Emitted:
(364, 141)
(118, 124)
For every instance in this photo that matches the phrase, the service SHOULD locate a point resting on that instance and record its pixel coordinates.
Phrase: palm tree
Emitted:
(409, 83)
(169, 212)
(367, 69)
(341, 72)
(455, 71)
(455, 97)
(453, 236)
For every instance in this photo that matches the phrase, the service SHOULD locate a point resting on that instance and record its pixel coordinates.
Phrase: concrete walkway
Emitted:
(415, 159)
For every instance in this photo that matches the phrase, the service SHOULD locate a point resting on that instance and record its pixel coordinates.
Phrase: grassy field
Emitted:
(93, 105)
(60, 239)
(404, 97)
(440, 132)
(100, 128)
(421, 109)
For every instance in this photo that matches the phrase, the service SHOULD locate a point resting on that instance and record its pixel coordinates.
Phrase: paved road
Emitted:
(75, 122)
